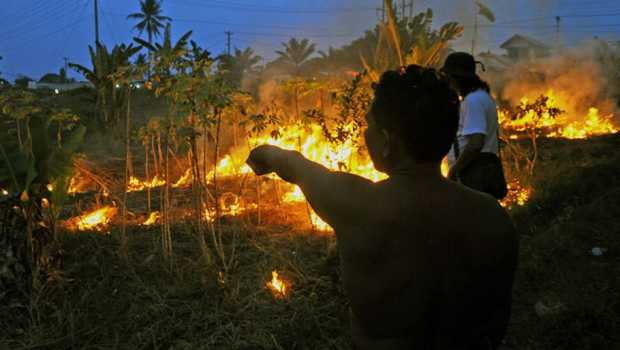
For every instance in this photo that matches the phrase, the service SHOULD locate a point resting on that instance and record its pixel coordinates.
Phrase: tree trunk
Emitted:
(127, 172)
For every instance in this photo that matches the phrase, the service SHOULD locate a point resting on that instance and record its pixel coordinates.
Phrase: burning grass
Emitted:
(95, 220)
(142, 302)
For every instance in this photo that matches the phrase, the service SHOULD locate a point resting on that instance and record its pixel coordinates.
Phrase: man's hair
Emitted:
(418, 106)
(469, 85)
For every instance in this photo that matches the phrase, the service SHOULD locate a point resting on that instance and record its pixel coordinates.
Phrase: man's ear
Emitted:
(387, 145)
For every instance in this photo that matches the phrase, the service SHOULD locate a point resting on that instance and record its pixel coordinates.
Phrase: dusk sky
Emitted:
(35, 35)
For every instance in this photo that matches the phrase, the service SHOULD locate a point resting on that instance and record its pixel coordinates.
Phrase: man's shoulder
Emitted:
(478, 97)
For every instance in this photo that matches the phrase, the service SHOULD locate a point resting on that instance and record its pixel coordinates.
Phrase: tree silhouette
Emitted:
(296, 53)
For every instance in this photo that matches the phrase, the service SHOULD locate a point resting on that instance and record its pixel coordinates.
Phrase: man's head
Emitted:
(414, 116)
(460, 69)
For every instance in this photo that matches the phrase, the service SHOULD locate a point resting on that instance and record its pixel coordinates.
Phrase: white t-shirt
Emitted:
(478, 115)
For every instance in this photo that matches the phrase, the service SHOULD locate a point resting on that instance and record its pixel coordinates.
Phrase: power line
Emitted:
(227, 5)
(34, 23)
(48, 34)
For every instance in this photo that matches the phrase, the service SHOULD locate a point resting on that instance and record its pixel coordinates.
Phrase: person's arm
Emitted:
(335, 196)
(475, 143)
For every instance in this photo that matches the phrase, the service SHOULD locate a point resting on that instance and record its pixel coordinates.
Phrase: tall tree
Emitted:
(150, 19)
(296, 53)
(239, 64)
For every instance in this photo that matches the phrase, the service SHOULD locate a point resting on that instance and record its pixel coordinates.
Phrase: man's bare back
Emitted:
(427, 263)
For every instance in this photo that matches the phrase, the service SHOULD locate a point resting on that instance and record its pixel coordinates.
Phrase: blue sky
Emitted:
(35, 35)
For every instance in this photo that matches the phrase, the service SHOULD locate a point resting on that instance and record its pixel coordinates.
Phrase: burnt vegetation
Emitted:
(181, 243)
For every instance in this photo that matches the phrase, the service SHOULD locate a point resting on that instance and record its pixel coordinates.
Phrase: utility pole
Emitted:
(475, 35)
(381, 10)
(96, 21)
(411, 4)
(403, 8)
(558, 20)
(66, 75)
(228, 42)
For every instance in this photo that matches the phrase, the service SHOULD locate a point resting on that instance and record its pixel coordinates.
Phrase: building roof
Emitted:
(494, 62)
(520, 41)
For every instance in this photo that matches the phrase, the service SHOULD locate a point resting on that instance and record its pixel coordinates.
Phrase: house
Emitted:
(522, 48)
(58, 87)
(494, 63)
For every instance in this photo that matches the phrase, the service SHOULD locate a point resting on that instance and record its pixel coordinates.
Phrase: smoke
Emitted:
(579, 78)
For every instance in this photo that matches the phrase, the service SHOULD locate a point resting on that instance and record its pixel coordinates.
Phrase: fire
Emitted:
(152, 219)
(593, 125)
(517, 195)
(96, 220)
(310, 141)
(136, 185)
(277, 285)
(294, 196)
(567, 125)
(4, 192)
(185, 180)
(319, 224)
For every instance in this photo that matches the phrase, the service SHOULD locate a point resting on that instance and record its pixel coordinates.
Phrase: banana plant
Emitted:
(105, 64)
(36, 176)
(408, 41)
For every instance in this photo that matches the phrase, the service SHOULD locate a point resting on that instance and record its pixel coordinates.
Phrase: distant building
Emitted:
(33, 85)
(494, 63)
(522, 48)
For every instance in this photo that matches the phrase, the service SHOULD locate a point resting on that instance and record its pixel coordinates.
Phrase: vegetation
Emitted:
(200, 282)
(107, 301)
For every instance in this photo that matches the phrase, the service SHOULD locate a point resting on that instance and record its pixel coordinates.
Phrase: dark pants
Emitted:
(485, 174)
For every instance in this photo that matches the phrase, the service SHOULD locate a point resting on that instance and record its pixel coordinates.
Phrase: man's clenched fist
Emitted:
(264, 159)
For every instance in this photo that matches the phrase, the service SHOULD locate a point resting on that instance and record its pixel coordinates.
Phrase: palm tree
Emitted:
(296, 53)
(245, 61)
(150, 20)
(241, 63)
(168, 53)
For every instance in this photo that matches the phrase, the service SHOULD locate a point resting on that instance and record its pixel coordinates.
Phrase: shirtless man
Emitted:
(427, 263)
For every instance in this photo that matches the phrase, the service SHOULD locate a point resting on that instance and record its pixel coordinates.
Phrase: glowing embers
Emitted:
(96, 220)
(517, 195)
(277, 285)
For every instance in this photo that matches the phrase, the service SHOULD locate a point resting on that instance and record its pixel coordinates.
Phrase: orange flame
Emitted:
(517, 195)
(96, 220)
(566, 125)
(152, 219)
(136, 185)
(277, 285)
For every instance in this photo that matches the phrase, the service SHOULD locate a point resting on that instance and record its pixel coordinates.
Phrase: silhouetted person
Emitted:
(427, 263)
(474, 157)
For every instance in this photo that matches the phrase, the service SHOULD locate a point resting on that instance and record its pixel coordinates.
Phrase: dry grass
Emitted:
(106, 302)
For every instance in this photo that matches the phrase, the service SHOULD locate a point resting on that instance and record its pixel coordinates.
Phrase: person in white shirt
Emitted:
(474, 157)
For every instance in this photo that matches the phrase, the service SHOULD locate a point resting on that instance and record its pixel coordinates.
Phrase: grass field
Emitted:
(107, 302)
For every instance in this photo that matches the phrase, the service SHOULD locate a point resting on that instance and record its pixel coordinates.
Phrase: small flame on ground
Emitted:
(136, 185)
(319, 224)
(277, 285)
(294, 196)
(517, 195)
(95, 220)
(152, 219)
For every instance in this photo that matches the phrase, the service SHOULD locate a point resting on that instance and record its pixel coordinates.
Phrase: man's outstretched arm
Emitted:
(336, 197)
